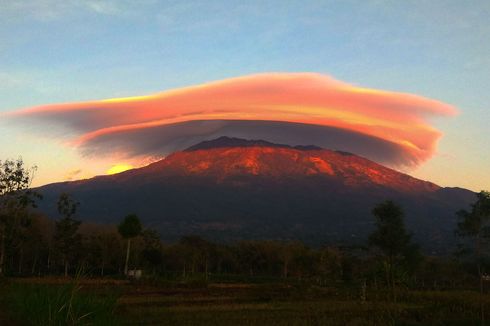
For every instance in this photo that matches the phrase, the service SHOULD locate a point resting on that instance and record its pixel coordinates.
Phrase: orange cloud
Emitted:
(305, 98)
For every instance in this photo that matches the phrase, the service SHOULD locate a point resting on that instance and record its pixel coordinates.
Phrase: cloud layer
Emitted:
(296, 108)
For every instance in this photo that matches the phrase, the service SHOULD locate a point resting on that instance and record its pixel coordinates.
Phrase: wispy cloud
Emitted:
(73, 174)
(46, 10)
(10, 81)
(77, 174)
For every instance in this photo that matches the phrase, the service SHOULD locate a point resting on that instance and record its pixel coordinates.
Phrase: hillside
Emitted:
(228, 189)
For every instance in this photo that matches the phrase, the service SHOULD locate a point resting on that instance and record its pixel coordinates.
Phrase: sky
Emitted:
(430, 60)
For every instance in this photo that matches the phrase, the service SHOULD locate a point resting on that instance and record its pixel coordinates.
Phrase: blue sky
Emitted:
(64, 51)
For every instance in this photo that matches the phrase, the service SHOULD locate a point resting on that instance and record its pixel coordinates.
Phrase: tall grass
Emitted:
(65, 304)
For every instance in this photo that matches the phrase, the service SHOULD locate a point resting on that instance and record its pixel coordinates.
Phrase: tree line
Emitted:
(33, 244)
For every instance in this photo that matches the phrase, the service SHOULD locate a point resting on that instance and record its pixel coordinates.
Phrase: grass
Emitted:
(281, 304)
(90, 302)
(60, 304)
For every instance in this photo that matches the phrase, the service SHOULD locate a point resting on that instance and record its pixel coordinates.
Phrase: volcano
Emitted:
(229, 189)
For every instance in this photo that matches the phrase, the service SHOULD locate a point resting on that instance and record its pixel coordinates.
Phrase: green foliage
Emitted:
(15, 195)
(15, 198)
(14, 176)
(66, 237)
(474, 223)
(152, 249)
(390, 235)
(393, 241)
(130, 227)
(53, 305)
(67, 206)
(103, 251)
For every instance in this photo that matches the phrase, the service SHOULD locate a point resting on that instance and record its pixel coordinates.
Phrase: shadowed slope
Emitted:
(229, 189)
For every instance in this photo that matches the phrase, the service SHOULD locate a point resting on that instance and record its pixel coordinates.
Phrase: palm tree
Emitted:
(129, 228)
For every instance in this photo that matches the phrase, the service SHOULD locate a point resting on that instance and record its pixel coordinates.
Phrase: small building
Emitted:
(135, 274)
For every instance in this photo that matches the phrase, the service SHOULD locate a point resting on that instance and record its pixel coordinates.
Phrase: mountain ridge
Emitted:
(225, 141)
(256, 157)
(233, 189)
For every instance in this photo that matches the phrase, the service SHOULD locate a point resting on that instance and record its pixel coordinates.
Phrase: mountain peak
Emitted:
(225, 159)
(224, 141)
(246, 189)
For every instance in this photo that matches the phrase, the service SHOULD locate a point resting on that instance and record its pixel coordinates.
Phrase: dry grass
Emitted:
(273, 304)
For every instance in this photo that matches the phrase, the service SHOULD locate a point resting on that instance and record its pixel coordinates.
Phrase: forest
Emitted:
(390, 264)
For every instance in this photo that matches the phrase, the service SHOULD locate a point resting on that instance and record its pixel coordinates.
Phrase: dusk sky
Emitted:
(408, 77)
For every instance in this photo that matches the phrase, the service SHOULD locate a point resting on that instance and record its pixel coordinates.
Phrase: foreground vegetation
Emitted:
(257, 301)
(194, 281)
(67, 303)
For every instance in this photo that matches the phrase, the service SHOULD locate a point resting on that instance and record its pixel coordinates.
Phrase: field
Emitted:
(118, 302)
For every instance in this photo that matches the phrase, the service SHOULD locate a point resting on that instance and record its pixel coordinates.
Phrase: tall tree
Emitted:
(15, 198)
(67, 206)
(37, 243)
(109, 244)
(152, 249)
(288, 253)
(391, 238)
(197, 252)
(475, 225)
(66, 235)
(129, 228)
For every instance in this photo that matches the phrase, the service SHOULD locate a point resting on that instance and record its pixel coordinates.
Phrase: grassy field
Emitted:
(117, 302)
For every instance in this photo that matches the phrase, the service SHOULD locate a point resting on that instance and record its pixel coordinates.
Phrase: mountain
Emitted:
(228, 189)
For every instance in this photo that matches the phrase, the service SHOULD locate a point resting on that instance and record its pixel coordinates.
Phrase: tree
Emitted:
(330, 263)
(197, 252)
(66, 235)
(129, 228)
(67, 206)
(15, 198)
(152, 249)
(109, 244)
(37, 243)
(474, 224)
(391, 238)
(288, 254)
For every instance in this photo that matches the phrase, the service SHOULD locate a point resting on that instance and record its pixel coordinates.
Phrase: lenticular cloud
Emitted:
(297, 108)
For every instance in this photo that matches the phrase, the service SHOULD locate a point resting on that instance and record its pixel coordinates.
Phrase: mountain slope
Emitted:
(226, 158)
(229, 189)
